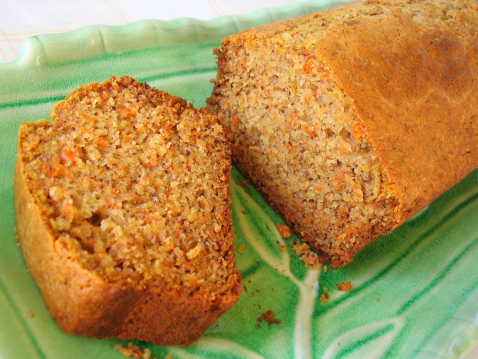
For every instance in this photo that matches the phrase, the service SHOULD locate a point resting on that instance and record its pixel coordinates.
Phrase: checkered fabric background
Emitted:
(20, 19)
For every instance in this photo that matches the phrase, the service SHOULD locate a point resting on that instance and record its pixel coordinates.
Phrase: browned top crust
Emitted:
(410, 71)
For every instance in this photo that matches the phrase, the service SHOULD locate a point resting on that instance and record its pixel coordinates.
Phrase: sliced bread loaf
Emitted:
(351, 120)
(123, 213)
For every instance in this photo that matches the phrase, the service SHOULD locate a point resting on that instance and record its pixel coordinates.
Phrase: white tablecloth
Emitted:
(20, 19)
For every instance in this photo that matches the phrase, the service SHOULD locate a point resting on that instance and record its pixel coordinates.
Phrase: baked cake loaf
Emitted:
(123, 213)
(353, 119)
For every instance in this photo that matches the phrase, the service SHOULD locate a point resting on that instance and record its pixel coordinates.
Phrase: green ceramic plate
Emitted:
(415, 291)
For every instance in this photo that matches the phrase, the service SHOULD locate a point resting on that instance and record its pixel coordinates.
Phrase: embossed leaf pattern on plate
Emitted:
(414, 292)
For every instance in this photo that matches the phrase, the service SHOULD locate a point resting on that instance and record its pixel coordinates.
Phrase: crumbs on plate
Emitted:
(284, 230)
(344, 286)
(306, 255)
(135, 352)
(268, 317)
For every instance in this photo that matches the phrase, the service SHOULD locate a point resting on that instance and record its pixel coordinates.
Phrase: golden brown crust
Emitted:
(83, 303)
(86, 303)
(80, 301)
(408, 70)
(423, 127)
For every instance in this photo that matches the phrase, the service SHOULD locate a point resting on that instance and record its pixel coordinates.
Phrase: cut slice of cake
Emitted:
(353, 119)
(123, 213)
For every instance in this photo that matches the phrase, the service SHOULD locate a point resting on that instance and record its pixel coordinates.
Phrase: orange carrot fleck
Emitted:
(68, 210)
(127, 139)
(56, 168)
(152, 162)
(236, 122)
(357, 133)
(61, 190)
(308, 64)
(309, 97)
(343, 147)
(68, 155)
(168, 247)
(84, 129)
(88, 118)
(169, 127)
(308, 130)
(127, 113)
(102, 142)
(140, 129)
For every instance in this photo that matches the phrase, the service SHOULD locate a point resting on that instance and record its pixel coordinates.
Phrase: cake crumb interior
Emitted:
(296, 136)
(135, 183)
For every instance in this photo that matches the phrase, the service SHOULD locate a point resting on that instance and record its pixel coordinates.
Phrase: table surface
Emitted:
(22, 19)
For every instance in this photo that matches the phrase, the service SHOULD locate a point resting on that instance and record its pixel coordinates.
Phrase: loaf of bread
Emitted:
(123, 213)
(351, 120)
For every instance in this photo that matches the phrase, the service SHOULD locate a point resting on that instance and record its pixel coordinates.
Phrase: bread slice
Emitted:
(123, 213)
(351, 120)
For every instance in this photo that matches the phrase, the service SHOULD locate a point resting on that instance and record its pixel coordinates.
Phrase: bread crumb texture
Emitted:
(133, 182)
(321, 124)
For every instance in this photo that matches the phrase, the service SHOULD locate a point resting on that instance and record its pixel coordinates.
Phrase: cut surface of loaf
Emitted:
(123, 213)
(351, 120)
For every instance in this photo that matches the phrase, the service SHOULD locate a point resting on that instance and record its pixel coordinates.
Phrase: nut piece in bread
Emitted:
(351, 120)
(123, 213)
